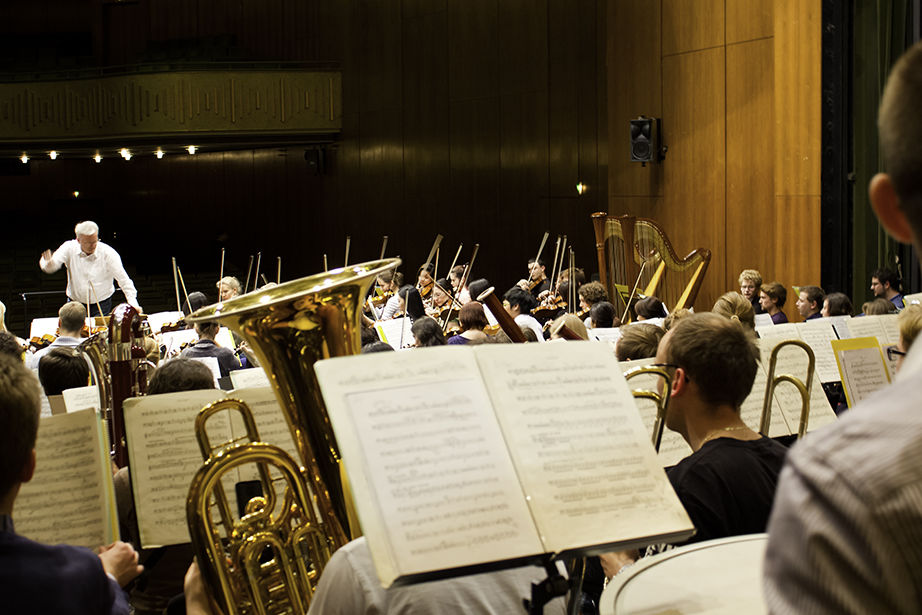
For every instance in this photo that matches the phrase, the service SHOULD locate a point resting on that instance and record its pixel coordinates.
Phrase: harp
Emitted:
(636, 251)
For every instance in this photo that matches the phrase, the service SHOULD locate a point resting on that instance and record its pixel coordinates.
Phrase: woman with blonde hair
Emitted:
(735, 306)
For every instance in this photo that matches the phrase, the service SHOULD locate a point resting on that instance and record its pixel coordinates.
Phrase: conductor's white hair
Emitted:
(86, 228)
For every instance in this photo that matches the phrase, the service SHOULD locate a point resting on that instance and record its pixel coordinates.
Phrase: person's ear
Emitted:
(679, 382)
(28, 470)
(886, 205)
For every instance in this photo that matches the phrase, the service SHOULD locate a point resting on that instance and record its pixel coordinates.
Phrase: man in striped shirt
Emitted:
(845, 534)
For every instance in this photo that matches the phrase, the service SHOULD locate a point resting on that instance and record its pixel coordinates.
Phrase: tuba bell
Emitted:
(288, 327)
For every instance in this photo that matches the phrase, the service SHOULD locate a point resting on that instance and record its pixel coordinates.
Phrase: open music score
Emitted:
(70, 499)
(863, 367)
(164, 454)
(463, 459)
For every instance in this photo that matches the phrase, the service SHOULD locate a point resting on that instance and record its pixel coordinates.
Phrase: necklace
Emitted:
(713, 434)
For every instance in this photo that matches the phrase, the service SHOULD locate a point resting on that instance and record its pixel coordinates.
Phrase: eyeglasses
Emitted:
(672, 366)
(893, 353)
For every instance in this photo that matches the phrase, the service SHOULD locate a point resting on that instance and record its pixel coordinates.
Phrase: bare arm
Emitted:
(197, 602)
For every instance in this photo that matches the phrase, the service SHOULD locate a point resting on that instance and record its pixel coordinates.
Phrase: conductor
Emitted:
(91, 267)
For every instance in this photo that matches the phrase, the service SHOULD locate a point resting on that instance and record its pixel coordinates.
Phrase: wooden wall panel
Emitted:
(798, 113)
(694, 210)
(689, 26)
(634, 88)
(748, 20)
(796, 245)
(750, 157)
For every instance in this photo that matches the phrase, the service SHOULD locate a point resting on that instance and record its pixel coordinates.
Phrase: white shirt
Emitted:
(526, 320)
(89, 276)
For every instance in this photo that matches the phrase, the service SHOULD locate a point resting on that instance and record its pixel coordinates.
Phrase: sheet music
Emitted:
(164, 456)
(213, 365)
(840, 325)
(793, 361)
(70, 499)
(819, 335)
(564, 409)
(764, 320)
(752, 407)
(252, 377)
(173, 340)
(862, 366)
(225, 339)
(416, 452)
(43, 326)
(81, 398)
(610, 335)
(673, 447)
(912, 299)
(395, 332)
(882, 326)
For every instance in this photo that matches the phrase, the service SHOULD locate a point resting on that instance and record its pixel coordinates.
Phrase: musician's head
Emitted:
(772, 295)
(715, 362)
(877, 307)
(440, 292)
(455, 275)
(472, 316)
(87, 234)
(207, 330)
(638, 341)
(896, 195)
(536, 268)
(810, 300)
(61, 369)
(837, 304)
(885, 283)
(71, 318)
(591, 293)
(602, 315)
(20, 405)
(411, 303)
(427, 332)
(735, 306)
(518, 301)
(649, 307)
(478, 287)
(425, 275)
(180, 374)
(564, 275)
(750, 282)
(228, 288)
(9, 345)
(194, 301)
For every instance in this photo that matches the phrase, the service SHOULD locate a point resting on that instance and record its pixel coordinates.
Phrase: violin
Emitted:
(533, 284)
(426, 290)
(42, 342)
(179, 325)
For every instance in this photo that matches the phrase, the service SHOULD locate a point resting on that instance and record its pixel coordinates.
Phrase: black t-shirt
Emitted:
(728, 485)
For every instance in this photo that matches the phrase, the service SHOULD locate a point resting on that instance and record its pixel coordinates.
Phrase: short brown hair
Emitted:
(638, 341)
(717, 354)
(20, 405)
(878, 306)
(735, 306)
(593, 292)
(776, 292)
(472, 316)
(72, 316)
(180, 374)
(900, 128)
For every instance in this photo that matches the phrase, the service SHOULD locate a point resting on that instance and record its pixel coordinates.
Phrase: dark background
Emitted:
(473, 119)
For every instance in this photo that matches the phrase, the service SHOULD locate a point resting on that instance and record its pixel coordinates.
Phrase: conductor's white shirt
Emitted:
(89, 276)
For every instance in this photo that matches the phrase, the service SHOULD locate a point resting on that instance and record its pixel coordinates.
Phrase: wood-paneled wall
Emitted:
(737, 85)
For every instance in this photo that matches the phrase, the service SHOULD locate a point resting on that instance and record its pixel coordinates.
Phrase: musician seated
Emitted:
(728, 483)
(750, 285)
(519, 304)
(62, 369)
(536, 282)
(424, 280)
(206, 346)
(193, 302)
(164, 566)
(37, 578)
(638, 341)
(410, 303)
(440, 297)
(591, 293)
(473, 322)
(71, 319)
(649, 307)
(772, 297)
(602, 315)
(810, 302)
(455, 276)
(390, 282)
(735, 306)
(885, 283)
(349, 585)
(427, 332)
(674, 317)
(837, 304)
(377, 346)
(228, 288)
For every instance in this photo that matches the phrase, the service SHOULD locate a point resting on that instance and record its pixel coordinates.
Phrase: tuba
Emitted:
(288, 327)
